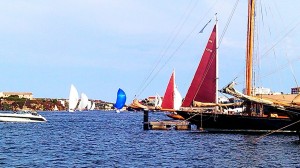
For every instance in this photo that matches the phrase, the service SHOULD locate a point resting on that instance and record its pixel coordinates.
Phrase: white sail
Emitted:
(157, 101)
(177, 98)
(89, 105)
(73, 98)
(93, 106)
(83, 102)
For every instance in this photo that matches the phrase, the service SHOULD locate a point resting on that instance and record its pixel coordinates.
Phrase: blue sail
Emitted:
(121, 99)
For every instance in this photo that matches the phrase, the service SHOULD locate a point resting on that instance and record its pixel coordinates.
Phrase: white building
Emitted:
(26, 95)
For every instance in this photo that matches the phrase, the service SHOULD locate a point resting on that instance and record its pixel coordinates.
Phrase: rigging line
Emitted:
(228, 22)
(175, 51)
(168, 44)
(257, 139)
(281, 39)
(257, 78)
(226, 27)
(272, 48)
(284, 66)
(206, 72)
(293, 73)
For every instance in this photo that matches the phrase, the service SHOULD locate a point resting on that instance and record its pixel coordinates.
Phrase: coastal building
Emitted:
(151, 99)
(295, 90)
(259, 91)
(26, 95)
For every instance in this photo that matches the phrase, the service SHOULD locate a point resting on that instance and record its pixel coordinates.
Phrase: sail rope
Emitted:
(281, 39)
(146, 84)
(293, 73)
(168, 43)
(147, 81)
(213, 55)
(196, 113)
(270, 48)
(274, 131)
(228, 22)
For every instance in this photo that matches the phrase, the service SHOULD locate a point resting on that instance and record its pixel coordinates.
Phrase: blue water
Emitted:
(109, 139)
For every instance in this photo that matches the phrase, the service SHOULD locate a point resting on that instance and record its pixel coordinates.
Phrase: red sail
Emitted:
(203, 87)
(168, 101)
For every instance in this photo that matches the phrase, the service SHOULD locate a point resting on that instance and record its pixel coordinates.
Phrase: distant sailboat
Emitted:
(172, 99)
(83, 102)
(73, 98)
(157, 101)
(93, 106)
(89, 105)
(121, 100)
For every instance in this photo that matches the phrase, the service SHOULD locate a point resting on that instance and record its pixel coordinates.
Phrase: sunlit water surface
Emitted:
(110, 139)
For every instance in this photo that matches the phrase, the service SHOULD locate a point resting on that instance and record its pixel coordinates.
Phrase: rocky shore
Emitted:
(14, 103)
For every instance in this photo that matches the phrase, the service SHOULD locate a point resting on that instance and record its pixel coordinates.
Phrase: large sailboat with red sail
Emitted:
(256, 113)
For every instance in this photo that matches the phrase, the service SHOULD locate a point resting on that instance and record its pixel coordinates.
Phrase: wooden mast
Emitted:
(250, 39)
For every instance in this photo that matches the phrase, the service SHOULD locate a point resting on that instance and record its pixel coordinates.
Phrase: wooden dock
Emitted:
(165, 124)
(168, 125)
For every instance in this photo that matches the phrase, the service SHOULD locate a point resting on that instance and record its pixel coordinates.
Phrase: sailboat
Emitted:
(157, 101)
(73, 98)
(201, 106)
(89, 105)
(92, 106)
(121, 100)
(83, 102)
(172, 99)
(170, 103)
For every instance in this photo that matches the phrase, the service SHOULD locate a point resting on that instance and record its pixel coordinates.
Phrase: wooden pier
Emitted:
(168, 125)
(165, 124)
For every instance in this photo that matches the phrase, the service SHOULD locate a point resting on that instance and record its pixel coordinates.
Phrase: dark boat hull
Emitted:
(238, 123)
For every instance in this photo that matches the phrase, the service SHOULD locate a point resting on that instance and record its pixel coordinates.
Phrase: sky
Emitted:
(103, 45)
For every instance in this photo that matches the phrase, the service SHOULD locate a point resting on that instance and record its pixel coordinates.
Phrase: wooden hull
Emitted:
(175, 116)
(238, 123)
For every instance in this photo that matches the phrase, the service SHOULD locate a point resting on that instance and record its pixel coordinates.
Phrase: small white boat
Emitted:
(21, 116)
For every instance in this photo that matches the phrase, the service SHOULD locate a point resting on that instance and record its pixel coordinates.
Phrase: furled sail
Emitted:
(204, 84)
(281, 105)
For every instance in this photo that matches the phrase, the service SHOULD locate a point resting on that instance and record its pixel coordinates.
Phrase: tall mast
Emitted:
(217, 58)
(250, 39)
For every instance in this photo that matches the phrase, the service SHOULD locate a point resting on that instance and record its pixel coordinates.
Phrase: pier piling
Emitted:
(146, 120)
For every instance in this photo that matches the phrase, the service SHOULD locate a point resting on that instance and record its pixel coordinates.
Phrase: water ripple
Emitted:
(107, 139)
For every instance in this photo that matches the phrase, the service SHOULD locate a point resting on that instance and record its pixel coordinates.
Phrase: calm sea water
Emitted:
(109, 139)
